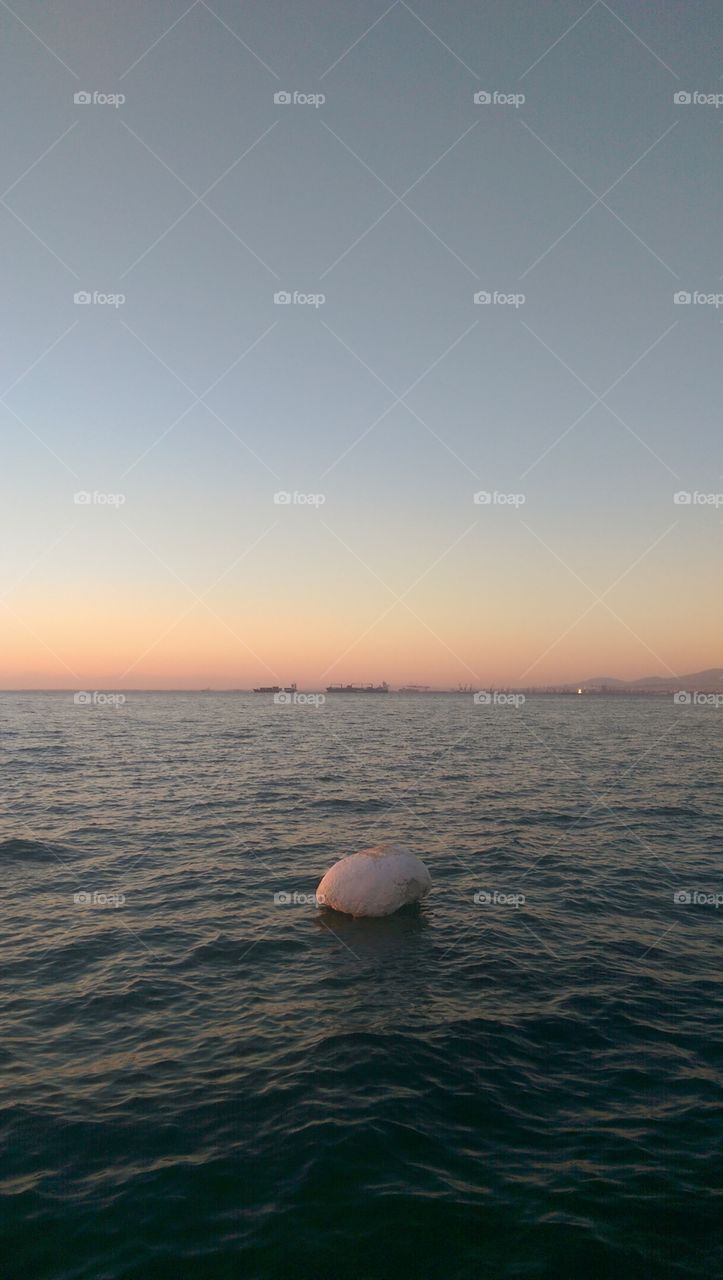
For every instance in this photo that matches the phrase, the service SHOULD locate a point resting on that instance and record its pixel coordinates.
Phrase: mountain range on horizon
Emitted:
(698, 681)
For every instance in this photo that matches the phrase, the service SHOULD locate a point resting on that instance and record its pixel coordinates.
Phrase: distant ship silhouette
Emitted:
(358, 688)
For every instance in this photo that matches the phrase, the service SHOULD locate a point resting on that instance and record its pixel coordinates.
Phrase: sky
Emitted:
(341, 342)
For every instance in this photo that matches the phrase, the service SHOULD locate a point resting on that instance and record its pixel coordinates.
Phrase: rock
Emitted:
(374, 882)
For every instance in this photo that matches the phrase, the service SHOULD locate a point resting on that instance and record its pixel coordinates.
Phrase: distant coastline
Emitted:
(708, 681)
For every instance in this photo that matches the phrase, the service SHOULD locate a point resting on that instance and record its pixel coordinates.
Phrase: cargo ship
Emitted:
(358, 688)
(276, 688)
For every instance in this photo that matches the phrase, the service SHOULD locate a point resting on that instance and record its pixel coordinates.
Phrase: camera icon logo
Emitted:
(483, 498)
(82, 899)
(82, 499)
(282, 98)
(282, 498)
(682, 298)
(482, 699)
(283, 699)
(682, 498)
(82, 98)
(682, 895)
(682, 698)
(482, 897)
(82, 298)
(681, 99)
(482, 98)
(82, 699)
(482, 298)
(282, 899)
(282, 298)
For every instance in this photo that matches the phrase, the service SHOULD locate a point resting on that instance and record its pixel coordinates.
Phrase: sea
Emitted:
(207, 1077)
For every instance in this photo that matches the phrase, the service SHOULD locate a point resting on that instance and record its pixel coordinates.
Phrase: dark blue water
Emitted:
(203, 1082)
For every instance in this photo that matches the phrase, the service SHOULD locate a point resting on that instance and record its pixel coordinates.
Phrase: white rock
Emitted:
(374, 882)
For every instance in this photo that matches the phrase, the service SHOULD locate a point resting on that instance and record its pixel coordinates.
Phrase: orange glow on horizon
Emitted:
(175, 642)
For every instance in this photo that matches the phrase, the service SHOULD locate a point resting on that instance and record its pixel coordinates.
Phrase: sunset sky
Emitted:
(182, 411)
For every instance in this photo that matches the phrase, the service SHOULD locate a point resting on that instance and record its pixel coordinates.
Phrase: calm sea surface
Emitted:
(206, 1082)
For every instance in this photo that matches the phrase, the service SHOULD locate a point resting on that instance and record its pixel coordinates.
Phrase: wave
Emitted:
(26, 850)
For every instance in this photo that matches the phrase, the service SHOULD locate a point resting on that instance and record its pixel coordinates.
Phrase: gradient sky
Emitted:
(397, 399)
